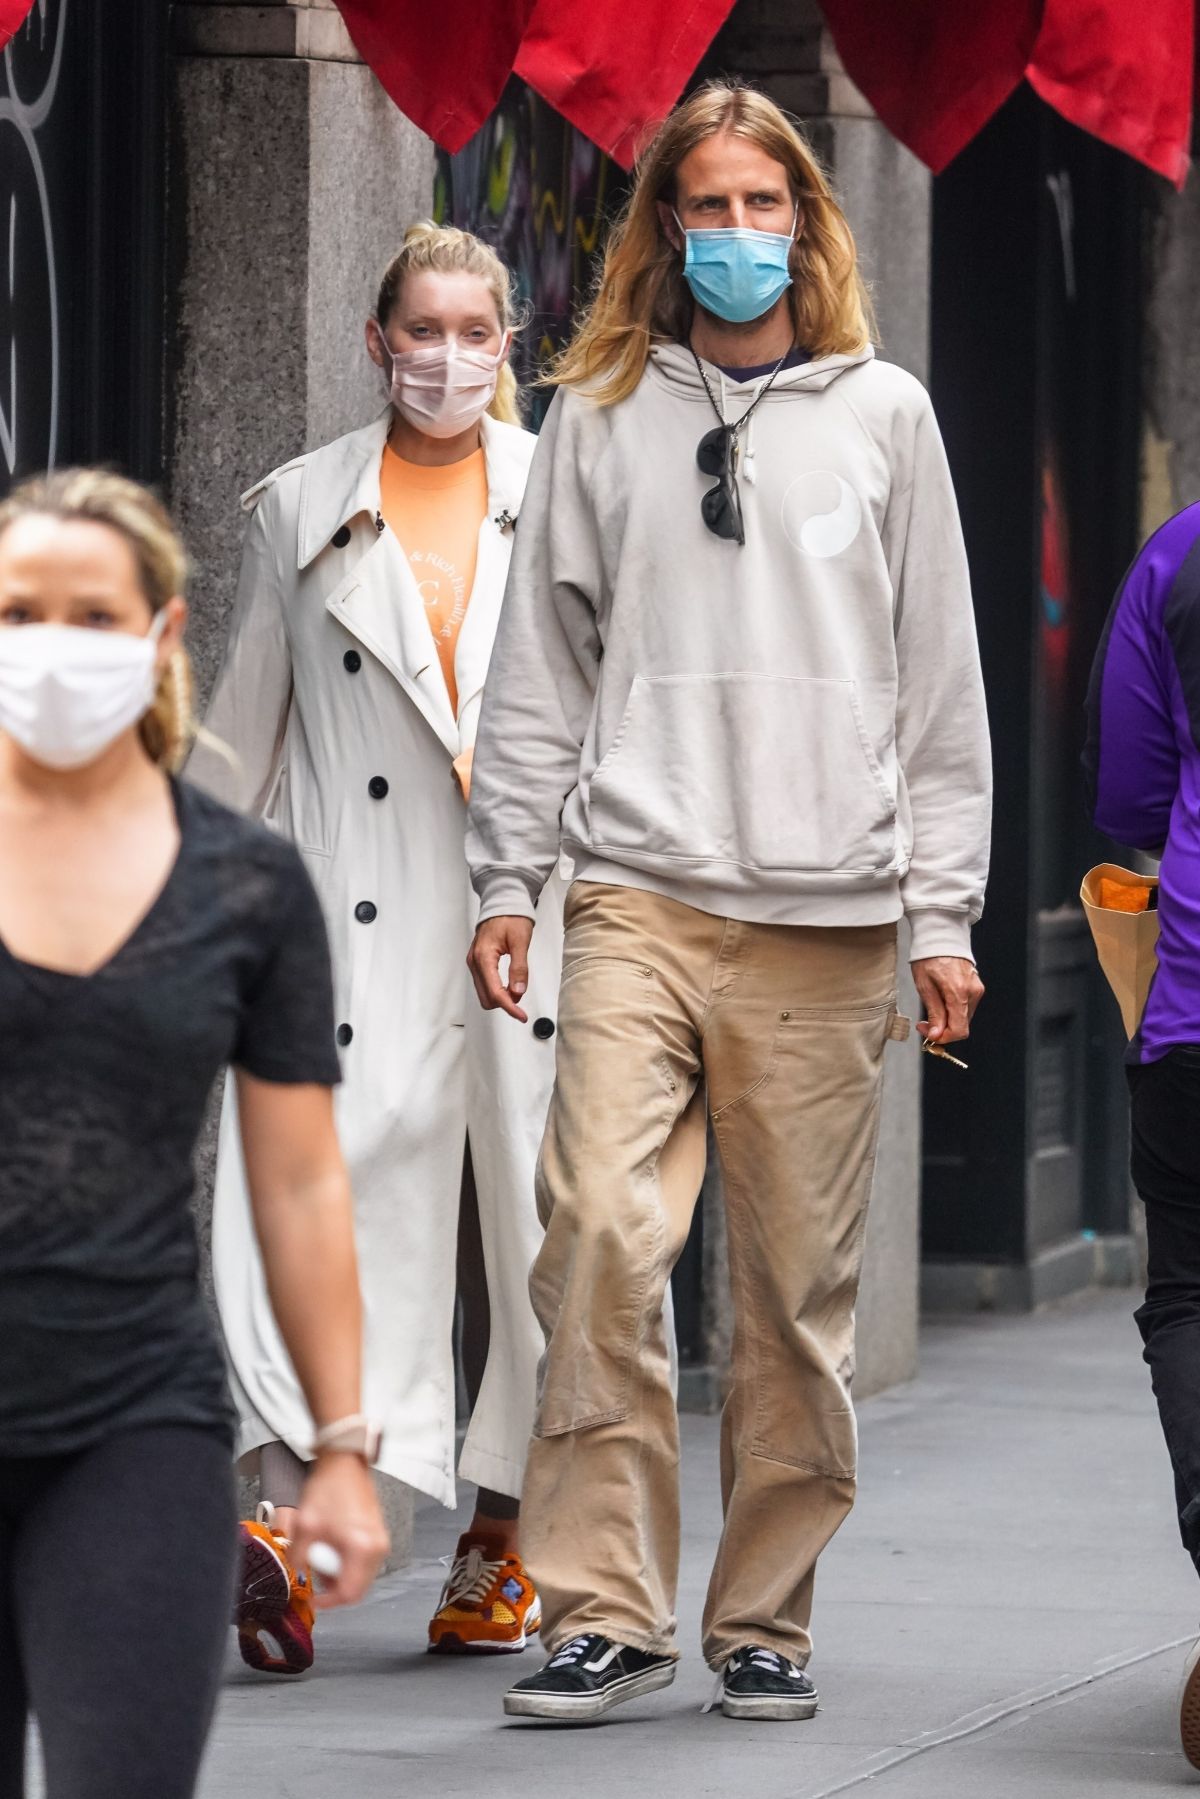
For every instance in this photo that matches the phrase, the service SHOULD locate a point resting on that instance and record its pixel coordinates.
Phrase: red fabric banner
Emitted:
(444, 64)
(13, 14)
(1124, 72)
(613, 69)
(935, 73)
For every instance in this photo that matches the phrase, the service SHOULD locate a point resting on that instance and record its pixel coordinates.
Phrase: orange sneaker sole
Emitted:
(271, 1638)
(452, 1644)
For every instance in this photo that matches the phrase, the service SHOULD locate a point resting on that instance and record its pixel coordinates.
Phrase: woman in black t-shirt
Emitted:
(147, 937)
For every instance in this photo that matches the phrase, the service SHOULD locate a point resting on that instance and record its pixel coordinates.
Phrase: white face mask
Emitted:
(442, 390)
(67, 693)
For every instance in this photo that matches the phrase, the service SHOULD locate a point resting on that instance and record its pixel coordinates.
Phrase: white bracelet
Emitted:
(354, 1435)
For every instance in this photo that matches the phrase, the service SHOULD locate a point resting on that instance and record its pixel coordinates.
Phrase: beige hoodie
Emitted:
(790, 731)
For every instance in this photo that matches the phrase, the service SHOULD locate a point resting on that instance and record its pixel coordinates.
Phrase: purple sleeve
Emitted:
(1132, 759)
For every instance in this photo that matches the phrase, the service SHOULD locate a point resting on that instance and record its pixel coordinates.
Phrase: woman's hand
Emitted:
(339, 1506)
(495, 939)
(950, 990)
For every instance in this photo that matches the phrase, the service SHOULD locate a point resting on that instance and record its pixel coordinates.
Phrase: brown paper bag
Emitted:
(1126, 941)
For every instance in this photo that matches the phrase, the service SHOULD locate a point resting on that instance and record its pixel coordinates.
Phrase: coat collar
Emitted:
(378, 603)
(507, 451)
(377, 599)
(341, 479)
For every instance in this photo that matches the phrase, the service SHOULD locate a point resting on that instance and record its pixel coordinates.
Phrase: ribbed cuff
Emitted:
(938, 931)
(505, 895)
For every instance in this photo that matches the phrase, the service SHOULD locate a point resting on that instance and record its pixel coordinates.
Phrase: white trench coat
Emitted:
(333, 699)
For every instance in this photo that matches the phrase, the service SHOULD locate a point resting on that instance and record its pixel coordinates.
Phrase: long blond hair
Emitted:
(446, 250)
(103, 498)
(641, 297)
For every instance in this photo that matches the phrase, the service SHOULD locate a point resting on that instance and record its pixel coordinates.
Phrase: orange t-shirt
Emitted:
(436, 514)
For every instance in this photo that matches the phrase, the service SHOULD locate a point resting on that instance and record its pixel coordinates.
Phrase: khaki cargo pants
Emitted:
(783, 1028)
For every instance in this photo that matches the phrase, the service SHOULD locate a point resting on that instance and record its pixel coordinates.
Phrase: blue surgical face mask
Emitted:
(735, 272)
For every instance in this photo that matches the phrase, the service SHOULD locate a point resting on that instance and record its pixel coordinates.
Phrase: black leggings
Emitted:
(1166, 1173)
(116, 1588)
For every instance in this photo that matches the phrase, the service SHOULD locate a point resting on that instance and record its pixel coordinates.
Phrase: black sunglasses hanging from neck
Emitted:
(716, 454)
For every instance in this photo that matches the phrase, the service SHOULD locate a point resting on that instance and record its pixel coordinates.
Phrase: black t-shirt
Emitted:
(795, 358)
(104, 1081)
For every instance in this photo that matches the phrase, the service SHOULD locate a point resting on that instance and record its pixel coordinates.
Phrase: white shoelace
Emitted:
(710, 1703)
(570, 1652)
(471, 1576)
(266, 1515)
(769, 1659)
(772, 1661)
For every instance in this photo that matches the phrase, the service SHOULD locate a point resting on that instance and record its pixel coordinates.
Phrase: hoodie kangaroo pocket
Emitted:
(766, 771)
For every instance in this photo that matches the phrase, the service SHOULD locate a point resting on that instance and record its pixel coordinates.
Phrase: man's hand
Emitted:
(495, 939)
(950, 990)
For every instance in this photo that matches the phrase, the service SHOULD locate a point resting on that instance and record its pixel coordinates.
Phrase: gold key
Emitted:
(943, 1055)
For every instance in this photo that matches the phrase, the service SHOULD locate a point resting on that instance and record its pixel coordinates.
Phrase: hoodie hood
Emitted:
(675, 367)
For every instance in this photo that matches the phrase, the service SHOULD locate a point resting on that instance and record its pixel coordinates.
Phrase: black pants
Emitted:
(1166, 1172)
(116, 1587)
(476, 1306)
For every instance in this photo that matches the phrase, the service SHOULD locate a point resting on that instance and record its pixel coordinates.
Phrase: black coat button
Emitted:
(365, 912)
(377, 787)
(341, 537)
(543, 1028)
(352, 662)
(345, 1033)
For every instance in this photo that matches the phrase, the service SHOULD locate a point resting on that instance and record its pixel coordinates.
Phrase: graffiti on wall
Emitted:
(30, 325)
(543, 195)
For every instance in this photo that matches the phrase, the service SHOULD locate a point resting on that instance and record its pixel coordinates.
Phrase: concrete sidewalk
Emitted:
(1005, 1613)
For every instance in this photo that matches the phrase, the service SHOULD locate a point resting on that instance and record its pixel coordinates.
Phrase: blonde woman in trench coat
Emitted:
(335, 701)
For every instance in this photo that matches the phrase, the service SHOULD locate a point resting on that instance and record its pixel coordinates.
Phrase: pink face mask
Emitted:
(444, 389)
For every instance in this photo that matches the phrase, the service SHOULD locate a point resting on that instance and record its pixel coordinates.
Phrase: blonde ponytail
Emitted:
(169, 728)
(506, 401)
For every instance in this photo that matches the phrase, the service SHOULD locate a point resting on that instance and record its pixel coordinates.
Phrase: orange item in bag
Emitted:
(1120, 896)
(1119, 907)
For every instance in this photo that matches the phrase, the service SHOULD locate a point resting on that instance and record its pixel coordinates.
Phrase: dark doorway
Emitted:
(1036, 356)
(82, 199)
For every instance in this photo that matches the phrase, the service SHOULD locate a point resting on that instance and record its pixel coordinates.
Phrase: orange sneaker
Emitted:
(274, 1609)
(488, 1605)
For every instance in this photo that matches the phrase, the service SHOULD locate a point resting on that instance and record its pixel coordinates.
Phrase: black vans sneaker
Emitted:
(587, 1676)
(761, 1683)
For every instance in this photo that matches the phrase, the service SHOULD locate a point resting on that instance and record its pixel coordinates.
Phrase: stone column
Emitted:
(1171, 432)
(292, 180)
(885, 192)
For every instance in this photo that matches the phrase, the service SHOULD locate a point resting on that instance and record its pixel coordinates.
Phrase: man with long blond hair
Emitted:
(737, 682)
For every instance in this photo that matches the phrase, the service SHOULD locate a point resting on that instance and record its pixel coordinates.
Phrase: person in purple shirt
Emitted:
(1142, 764)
